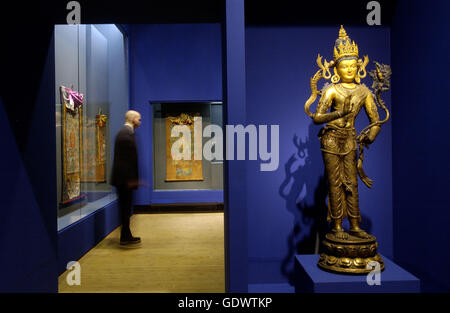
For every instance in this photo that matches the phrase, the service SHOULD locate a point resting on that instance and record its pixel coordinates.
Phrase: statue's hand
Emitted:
(365, 140)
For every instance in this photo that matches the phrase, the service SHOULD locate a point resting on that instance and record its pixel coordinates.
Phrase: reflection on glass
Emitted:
(91, 99)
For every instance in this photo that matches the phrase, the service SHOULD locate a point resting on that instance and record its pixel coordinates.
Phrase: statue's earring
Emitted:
(361, 73)
(362, 67)
(336, 78)
(357, 78)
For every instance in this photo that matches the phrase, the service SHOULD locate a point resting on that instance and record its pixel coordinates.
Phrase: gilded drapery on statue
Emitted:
(352, 251)
(184, 170)
(72, 134)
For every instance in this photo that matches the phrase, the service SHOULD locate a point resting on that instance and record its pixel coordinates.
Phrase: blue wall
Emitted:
(286, 205)
(28, 236)
(420, 50)
(235, 182)
(170, 62)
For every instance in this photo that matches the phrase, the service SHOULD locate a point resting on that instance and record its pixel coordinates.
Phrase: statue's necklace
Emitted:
(343, 91)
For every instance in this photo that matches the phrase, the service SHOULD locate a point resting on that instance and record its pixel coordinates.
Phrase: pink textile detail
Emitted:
(76, 97)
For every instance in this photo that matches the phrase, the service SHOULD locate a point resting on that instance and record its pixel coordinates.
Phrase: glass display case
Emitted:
(194, 174)
(91, 92)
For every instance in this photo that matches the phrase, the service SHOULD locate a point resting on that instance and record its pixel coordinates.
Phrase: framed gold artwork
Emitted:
(183, 170)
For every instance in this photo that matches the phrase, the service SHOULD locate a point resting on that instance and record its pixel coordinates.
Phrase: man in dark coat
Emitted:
(125, 175)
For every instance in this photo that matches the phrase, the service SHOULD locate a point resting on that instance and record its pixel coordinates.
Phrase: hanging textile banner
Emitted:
(184, 170)
(95, 145)
(72, 151)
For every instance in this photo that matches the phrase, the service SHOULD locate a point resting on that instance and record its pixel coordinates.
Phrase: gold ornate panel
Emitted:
(183, 170)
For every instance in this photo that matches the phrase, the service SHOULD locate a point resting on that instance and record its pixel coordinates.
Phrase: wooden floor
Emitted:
(179, 253)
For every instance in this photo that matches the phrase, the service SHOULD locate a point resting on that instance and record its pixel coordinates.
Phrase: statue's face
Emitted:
(347, 69)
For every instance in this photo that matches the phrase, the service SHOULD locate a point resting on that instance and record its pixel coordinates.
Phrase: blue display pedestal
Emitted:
(310, 278)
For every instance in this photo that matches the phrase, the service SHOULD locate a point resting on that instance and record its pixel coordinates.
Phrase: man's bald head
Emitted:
(134, 118)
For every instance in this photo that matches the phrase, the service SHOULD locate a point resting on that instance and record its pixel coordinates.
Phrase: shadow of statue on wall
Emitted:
(305, 191)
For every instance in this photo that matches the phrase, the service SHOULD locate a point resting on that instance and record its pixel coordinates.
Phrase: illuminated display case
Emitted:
(91, 92)
(183, 175)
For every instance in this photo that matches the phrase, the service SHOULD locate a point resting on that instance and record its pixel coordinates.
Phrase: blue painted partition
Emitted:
(420, 110)
(235, 184)
(28, 236)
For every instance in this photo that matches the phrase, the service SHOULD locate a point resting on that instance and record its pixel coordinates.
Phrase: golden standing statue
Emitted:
(339, 104)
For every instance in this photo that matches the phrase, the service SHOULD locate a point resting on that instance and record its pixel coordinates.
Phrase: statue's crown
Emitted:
(344, 48)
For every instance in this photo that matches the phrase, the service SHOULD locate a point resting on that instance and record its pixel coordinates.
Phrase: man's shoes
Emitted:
(132, 241)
